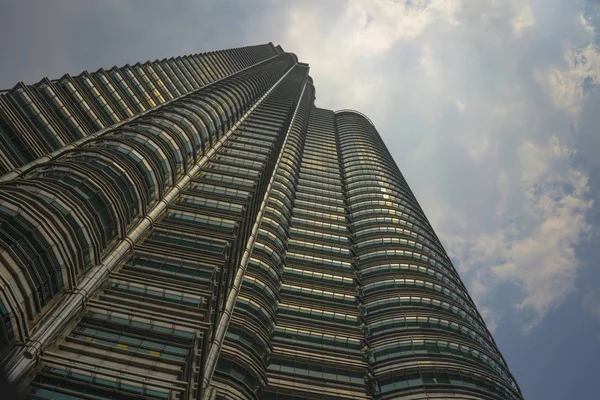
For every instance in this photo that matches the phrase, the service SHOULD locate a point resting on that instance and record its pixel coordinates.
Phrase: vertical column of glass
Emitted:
(424, 334)
(316, 340)
(241, 368)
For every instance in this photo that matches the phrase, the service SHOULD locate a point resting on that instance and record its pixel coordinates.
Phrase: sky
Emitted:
(490, 108)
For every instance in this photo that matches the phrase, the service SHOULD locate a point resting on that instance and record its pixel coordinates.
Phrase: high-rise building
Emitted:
(195, 228)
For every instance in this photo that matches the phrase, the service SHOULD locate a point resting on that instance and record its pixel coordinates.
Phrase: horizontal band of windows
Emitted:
(331, 157)
(320, 206)
(200, 203)
(390, 204)
(255, 138)
(305, 258)
(393, 253)
(156, 293)
(370, 176)
(321, 140)
(319, 224)
(369, 158)
(251, 149)
(319, 235)
(315, 214)
(316, 339)
(192, 242)
(200, 220)
(130, 343)
(378, 183)
(336, 195)
(301, 244)
(354, 168)
(350, 155)
(319, 149)
(54, 383)
(219, 190)
(369, 214)
(315, 158)
(375, 186)
(363, 234)
(188, 270)
(444, 379)
(223, 178)
(320, 199)
(328, 373)
(387, 241)
(382, 221)
(415, 348)
(318, 276)
(142, 327)
(265, 145)
(314, 314)
(255, 156)
(398, 325)
(308, 163)
(229, 169)
(407, 284)
(320, 176)
(390, 304)
(325, 295)
(384, 194)
(320, 186)
(372, 272)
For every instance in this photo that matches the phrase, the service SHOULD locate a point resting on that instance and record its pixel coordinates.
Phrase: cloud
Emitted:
(535, 247)
(523, 20)
(569, 86)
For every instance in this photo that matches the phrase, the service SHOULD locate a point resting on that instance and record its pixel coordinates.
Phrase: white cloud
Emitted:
(568, 85)
(533, 243)
(523, 20)
(344, 43)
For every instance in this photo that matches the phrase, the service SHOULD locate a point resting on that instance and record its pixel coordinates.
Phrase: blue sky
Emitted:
(490, 108)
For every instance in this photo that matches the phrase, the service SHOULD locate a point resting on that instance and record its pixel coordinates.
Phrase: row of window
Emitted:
(55, 383)
(430, 347)
(391, 304)
(418, 380)
(399, 324)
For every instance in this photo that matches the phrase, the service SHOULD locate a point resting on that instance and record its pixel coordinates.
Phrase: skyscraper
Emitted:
(196, 228)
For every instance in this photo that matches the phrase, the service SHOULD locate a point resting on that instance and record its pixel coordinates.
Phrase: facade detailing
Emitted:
(196, 228)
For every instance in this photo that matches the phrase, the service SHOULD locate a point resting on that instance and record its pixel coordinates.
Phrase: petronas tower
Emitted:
(196, 228)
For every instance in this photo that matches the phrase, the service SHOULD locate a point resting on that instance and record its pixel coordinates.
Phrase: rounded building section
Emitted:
(60, 218)
(424, 335)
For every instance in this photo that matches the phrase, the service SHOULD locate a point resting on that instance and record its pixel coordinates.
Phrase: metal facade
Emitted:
(195, 228)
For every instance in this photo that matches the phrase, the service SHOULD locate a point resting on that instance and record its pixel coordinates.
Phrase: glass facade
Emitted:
(195, 228)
